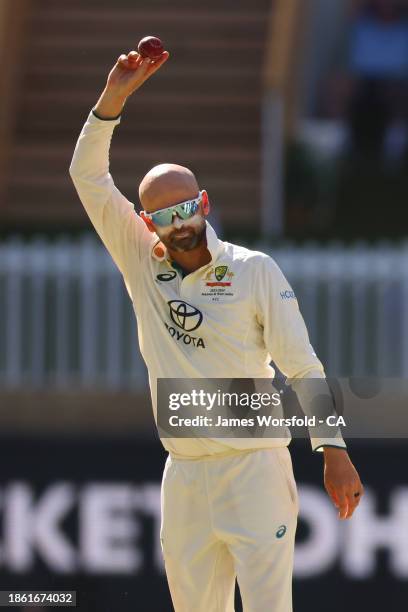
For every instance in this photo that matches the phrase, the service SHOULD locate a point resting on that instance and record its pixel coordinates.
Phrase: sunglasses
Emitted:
(184, 210)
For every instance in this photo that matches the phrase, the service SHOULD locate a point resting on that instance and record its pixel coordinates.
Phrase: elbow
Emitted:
(76, 173)
(73, 169)
(77, 176)
(77, 167)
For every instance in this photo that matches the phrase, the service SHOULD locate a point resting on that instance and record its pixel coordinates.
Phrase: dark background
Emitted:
(134, 461)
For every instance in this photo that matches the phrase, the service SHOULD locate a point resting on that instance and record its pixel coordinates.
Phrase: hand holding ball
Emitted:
(151, 47)
(128, 74)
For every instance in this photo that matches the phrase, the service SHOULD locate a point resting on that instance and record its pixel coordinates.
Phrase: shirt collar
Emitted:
(214, 245)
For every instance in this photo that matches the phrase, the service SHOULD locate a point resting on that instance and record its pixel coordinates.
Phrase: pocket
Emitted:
(285, 464)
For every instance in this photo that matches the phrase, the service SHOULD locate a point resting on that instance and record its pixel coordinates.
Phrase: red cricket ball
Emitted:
(151, 47)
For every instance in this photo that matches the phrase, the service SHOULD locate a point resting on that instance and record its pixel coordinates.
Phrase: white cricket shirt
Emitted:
(228, 319)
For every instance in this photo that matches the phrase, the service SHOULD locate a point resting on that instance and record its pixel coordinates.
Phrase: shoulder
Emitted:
(256, 260)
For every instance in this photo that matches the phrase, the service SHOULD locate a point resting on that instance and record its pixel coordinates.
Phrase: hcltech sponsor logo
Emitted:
(188, 318)
(281, 531)
(288, 295)
(167, 276)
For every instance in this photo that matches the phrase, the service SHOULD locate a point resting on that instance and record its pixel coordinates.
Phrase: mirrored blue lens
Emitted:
(184, 211)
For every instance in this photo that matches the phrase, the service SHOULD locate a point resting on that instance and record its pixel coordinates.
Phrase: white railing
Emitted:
(66, 320)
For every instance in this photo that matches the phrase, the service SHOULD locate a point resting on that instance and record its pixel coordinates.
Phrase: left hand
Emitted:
(342, 481)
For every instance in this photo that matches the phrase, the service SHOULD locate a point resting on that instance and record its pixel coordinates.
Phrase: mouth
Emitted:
(181, 235)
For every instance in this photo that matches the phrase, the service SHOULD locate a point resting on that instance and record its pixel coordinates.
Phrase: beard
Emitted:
(186, 238)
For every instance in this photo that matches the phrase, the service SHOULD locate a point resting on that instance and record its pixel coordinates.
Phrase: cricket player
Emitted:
(229, 506)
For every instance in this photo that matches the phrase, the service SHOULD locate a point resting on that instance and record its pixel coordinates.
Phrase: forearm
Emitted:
(110, 212)
(110, 104)
(316, 401)
(333, 451)
(90, 161)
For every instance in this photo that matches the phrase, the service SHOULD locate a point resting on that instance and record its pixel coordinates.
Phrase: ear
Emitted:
(149, 223)
(205, 203)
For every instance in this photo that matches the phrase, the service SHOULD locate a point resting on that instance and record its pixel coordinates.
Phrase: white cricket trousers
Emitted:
(230, 516)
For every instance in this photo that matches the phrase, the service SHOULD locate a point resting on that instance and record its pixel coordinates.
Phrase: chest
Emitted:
(216, 297)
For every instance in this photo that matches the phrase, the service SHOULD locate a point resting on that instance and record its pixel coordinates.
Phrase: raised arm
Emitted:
(113, 216)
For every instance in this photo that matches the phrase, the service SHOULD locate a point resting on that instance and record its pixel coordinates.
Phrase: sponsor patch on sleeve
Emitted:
(288, 295)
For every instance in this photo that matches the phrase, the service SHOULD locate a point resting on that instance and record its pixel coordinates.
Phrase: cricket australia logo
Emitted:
(220, 272)
(220, 281)
(187, 318)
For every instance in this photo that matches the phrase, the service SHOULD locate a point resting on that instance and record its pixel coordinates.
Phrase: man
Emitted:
(229, 507)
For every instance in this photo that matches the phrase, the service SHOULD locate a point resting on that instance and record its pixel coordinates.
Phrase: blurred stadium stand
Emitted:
(267, 101)
(347, 167)
(67, 321)
(204, 111)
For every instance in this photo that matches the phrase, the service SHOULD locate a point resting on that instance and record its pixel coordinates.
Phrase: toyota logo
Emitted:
(184, 315)
(167, 276)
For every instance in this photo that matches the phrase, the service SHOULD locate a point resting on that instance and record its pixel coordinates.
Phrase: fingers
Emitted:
(131, 61)
(352, 503)
(342, 483)
(134, 60)
(354, 495)
(154, 65)
(345, 499)
(343, 504)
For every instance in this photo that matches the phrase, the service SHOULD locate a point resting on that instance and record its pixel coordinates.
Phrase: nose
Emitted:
(177, 222)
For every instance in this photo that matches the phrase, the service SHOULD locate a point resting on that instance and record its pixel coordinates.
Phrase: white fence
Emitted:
(66, 320)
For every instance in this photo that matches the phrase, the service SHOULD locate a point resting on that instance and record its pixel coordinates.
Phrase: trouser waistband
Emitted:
(230, 453)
